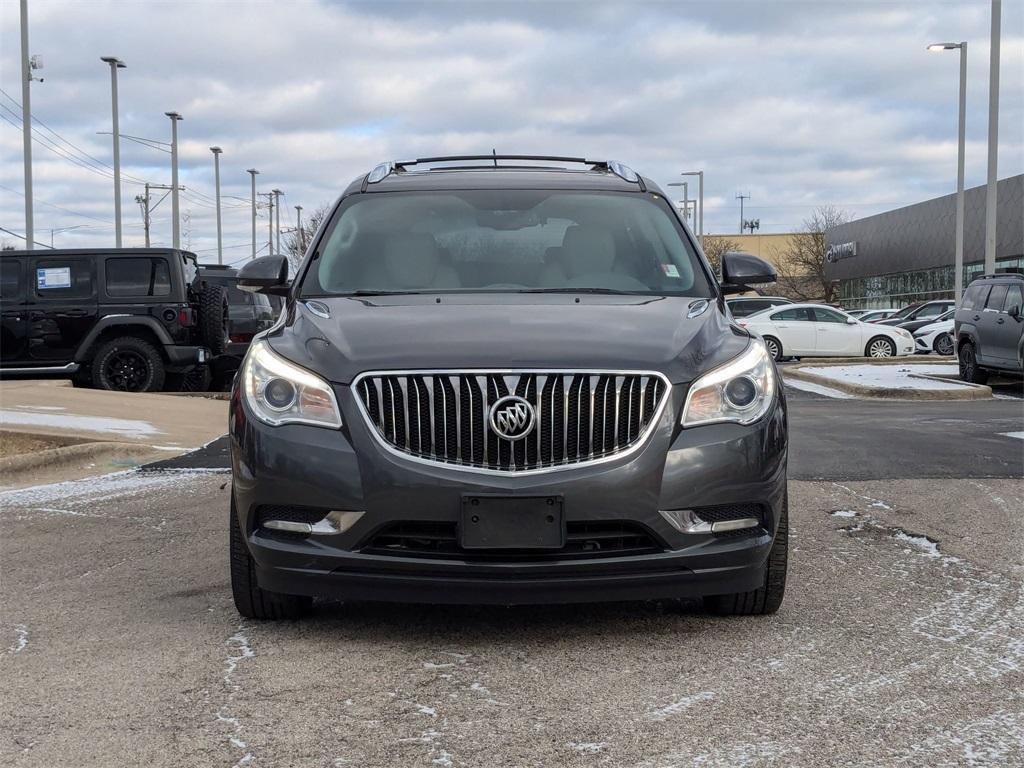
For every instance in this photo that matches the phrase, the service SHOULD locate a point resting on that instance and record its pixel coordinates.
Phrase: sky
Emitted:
(796, 104)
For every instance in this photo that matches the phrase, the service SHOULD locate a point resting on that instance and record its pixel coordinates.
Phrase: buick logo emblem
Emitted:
(512, 417)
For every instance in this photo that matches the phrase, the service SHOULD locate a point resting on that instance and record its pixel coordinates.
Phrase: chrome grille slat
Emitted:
(580, 416)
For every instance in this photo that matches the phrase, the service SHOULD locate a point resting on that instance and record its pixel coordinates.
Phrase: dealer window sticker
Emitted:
(53, 277)
(671, 270)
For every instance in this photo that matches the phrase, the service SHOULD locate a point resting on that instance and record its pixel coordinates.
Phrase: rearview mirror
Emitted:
(267, 274)
(741, 270)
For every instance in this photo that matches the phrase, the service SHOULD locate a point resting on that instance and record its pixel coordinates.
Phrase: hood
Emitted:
(477, 331)
(942, 325)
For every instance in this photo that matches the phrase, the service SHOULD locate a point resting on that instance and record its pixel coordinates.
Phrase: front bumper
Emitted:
(180, 355)
(298, 465)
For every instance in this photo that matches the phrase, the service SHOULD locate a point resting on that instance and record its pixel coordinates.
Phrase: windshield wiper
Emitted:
(363, 292)
(613, 291)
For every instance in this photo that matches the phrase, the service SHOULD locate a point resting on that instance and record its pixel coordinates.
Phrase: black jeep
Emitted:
(126, 319)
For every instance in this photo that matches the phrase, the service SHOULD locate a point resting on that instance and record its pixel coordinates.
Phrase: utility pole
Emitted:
(270, 223)
(115, 64)
(301, 247)
(175, 222)
(993, 140)
(277, 216)
(26, 124)
(147, 209)
(741, 197)
(252, 174)
(216, 175)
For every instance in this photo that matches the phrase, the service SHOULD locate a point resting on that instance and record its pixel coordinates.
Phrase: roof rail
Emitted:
(383, 170)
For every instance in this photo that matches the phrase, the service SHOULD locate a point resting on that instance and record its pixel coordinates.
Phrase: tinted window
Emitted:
(506, 240)
(138, 277)
(10, 279)
(797, 313)
(745, 307)
(930, 310)
(63, 278)
(996, 298)
(1014, 298)
(828, 316)
(974, 296)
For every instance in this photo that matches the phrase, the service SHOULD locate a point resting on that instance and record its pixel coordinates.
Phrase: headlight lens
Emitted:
(741, 391)
(279, 392)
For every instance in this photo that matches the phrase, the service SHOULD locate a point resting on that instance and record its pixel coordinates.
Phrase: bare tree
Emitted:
(715, 246)
(297, 241)
(801, 265)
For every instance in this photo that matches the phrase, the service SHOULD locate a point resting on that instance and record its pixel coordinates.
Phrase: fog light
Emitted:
(741, 392)
(279, 394)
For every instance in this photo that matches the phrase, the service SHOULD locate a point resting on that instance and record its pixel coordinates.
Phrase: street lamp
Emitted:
(175, 222)
(252, 173)
(958, 259)
(700, 204)
(115, 64)
(64, 229)
(277, 215)
(298, 231)
(216, 177)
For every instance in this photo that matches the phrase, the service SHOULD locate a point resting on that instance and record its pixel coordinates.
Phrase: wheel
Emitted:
(196, 380)
(943, 344)
(213, 318)
(880, 346)
(969, 370)
(774, 347)
(128, 364)
(252, 601)
(768, 598)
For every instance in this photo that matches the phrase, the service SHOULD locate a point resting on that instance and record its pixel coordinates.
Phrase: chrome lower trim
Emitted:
(688, 521)
(735, 525)
(334, 522)
(638, 444)
(69, 368)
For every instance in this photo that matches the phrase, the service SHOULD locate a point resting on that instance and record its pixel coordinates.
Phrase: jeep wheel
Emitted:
(767, 598)
(213, 318)
(969, 370)
(252, 601)
(880, 347)
(943, 344)
(128, 364)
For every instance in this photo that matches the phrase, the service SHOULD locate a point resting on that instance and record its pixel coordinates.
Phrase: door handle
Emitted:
(1001, 320)
(977, 317)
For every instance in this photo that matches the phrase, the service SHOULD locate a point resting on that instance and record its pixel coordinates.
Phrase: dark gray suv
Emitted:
(506, 379)
(989, 327)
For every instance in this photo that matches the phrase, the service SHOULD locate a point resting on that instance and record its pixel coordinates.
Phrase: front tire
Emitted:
(943, 345)
(128, 364)
(880, 347)
(252, 601)
(774, 348)
(767, 598)
(969, 370)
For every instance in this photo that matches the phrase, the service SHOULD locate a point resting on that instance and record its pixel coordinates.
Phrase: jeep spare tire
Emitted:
(213, 318)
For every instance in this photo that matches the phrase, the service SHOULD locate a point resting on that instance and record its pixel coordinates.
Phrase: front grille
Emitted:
(445, 416)
(582, 540)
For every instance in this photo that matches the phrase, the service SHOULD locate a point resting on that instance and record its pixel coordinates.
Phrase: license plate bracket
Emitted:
(512, 522)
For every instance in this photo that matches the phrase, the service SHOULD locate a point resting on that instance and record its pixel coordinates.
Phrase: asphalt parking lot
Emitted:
(899, 643)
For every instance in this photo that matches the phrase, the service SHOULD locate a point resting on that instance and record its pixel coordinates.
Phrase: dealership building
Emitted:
(906, 255)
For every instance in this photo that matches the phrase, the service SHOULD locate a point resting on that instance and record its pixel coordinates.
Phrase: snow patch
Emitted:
(679, 705)
(889, 376)
(107, 425)
(239, 650)
(587, 747)
(844, 513)
(817, 389)
(926, 546)
(21, 640)
(423, 710)
(1018, 435)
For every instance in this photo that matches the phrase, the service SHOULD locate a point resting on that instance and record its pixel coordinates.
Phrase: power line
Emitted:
(22, 237)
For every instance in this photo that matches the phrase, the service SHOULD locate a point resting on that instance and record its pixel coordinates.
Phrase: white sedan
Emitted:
(936, 337)
(814, 330)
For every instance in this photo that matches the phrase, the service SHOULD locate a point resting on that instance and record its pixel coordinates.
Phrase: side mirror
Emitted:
(1014, 312)
(267, 274)
(852, 321)
(741, 270)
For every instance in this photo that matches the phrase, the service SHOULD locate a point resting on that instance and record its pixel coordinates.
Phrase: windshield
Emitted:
(506, 241)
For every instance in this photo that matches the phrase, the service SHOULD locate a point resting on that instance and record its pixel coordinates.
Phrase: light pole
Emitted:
(958, 259)
(277, 216)
(115, 64)
(252, 173)
(216, 180)
(993, 140)
(26, 125)
(175, 222)
(300, 248)
(64, 229)
(700, 204)
(741, 197)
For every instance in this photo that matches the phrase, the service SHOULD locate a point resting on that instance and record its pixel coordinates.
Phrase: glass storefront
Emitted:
(902, 288)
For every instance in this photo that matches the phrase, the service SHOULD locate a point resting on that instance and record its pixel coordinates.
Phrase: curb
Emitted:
(131, 454)
(964, 392)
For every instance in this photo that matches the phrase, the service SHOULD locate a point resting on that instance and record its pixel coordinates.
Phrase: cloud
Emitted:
(797, 103)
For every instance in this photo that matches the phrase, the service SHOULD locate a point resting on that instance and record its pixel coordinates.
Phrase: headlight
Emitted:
(741, 390)
(279, 392)
(903, 332)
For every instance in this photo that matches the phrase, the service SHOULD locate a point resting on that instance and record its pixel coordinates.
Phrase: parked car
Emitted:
(914, 325)
(874, 315)
(936, 337)
(989, 327)
(742, 306)
(925, 310)
(120, 319)
(506, 384)
(815, 330)
(248, 314)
